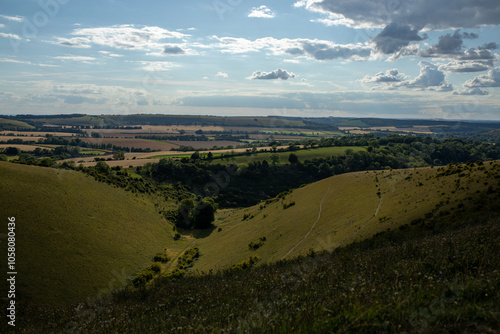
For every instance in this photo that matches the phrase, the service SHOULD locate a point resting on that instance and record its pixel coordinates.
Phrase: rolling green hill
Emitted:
(76, 237)
(436, 270)
(346, 208)
(13, 124)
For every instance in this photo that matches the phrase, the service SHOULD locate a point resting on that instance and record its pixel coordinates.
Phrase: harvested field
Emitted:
(28, 134)
(206, 144)
(24, 147)
(5, 138)
(132, 142)
(153, 130)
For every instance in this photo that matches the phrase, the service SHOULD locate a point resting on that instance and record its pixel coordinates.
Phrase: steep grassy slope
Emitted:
(76, 237)
(346, 208)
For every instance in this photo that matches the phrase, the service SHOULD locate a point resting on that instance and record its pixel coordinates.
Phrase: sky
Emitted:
(309, 58)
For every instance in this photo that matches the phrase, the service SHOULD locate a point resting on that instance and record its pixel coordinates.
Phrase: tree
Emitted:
(119, 155)
(275, 158)
(46, 162)
(102, 167)
(196, 214)
(195, 156)
(293, 159)
(12, 151)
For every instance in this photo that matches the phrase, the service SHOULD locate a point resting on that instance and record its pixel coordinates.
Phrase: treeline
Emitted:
(75, 142)
(248, 183)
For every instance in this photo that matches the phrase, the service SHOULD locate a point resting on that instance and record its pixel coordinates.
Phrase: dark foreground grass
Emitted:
(417, 280)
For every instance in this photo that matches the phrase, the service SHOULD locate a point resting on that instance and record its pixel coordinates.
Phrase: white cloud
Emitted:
(491, 79)
(262, 12)
(8, 60)
(390, 76)
(273, 75)
(126, 36)
(471, 91)
(293, 61)
(75, 42)
(430, 78)
(308, 48)
(155, 66)
(76, 58)
(15, 61)
(2, 26)
(300, 3)
(14, 36)
(13, 18)
(109, 54)
(467, 66)
(222, 75)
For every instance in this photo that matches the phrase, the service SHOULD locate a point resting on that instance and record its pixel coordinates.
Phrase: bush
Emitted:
(287, 205)
(246, 264)
(187, 259)
(257, 244)
(177, 236)
(161, 257)
(146, 275)
(194, 214)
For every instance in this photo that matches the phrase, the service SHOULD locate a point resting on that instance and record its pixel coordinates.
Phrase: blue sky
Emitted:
(377, 58)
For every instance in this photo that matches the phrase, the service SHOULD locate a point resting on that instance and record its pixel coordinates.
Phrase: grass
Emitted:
(76, 236)
(9, 123)
(432, 264)
(419, 280)
(341, 210)
(307, 154)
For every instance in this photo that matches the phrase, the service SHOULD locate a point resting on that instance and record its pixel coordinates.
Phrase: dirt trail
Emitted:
(317, 219)
(369, 220)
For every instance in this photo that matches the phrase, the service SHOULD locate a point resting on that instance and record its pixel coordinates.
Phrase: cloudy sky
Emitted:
(361, 58)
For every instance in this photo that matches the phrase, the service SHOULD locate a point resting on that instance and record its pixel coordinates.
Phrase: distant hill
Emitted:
(10, 124)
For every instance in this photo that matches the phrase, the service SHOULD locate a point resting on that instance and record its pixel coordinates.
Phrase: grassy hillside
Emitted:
(347, 208)
(13, 124)
(419, 280)
(76, 236)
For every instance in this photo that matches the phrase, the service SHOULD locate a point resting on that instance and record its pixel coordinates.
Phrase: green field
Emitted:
(308, 133)
(354, 122)
(307, 154)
